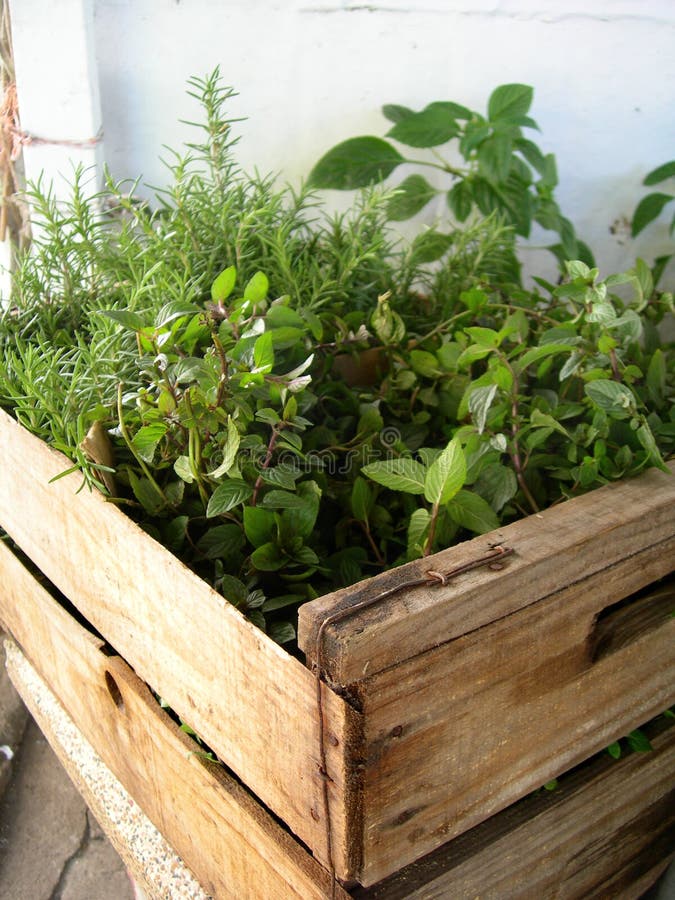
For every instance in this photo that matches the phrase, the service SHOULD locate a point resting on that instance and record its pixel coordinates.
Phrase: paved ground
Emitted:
(51, 847)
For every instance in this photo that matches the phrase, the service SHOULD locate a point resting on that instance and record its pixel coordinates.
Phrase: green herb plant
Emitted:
(198, 359)
(490, 163)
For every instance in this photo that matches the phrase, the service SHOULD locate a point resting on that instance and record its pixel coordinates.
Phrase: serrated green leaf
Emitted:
(431, 127)
(355, 163)
(230, 449)
(460, 200)
(228, 495)
(494, 157)
(480, 401)
(497, 483)
(446, 474)
(412, 195)
(610, 395)
(509, 100)
(362, 499)
(279, 499)
(282, 632)
(536, 354)
(147, 438)
(471, 511)
(222, 541)
(397, 474)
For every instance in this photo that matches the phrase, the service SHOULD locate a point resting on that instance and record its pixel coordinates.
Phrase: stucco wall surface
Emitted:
(312, 72)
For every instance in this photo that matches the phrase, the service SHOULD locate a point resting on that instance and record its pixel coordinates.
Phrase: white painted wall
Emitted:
(313, 72)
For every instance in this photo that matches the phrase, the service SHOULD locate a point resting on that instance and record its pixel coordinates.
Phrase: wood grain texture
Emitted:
(607, 831)
(244, 695)
(457, 734)
(233, 846)
(558, 547)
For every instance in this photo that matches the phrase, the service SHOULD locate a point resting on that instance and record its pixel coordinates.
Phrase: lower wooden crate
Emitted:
(608, 831)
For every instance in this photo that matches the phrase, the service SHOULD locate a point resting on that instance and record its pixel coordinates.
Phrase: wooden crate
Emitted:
(439, 704)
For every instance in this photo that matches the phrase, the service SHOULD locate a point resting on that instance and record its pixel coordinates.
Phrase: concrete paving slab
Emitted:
(13, 719)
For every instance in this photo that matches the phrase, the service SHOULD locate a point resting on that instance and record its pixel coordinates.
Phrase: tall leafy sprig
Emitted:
(501, 171)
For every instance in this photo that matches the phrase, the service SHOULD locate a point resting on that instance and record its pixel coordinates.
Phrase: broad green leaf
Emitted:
(610, 395)
(480, 401)
(259, 525)
(362, 499)
(648, 209)
(396, 113)
(639, 742)
(282, 632)
(471, 511)
(460, 200)
(412, 195)
(279, 499)
(357, 162)
(646, 437)
(425, 363)
(147, 438)
(473, 353)
(222, 541)
(446, 474)
(497, 483)
(536, 354)
(539, 419)
(228, 495)
(175, 309)
(484, 337)
(233, 589)
(282, 476)
(279, 316)
(183, 469)
(656, 377)
(125, 317)
(431, 127)
(429, 246)
(667, 170)
(263, 353)
(302, 519)
(509, 101)
(146, 494)
(417, 531)
(268, 558)
(386, 323)
(223, 284)
(532, 154)
(256, 288)
(230, 450)
(494, 157)
(397, 474)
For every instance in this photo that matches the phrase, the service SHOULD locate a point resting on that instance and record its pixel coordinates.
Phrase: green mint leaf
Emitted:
(397, 474)
(446, 474)
(661, 173)
(355, 163)
(471, 511)
(431, 127)
(648, 209)
(412, 195)
(226, 496)
(509, 101)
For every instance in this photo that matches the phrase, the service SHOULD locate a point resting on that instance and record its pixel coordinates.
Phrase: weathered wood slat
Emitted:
(234, 847)
(458, 733)
(245, 696)
(607, 831)
(558, 547)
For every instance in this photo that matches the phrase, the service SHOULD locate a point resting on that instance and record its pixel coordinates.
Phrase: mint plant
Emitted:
(651, 206)
(501, 170)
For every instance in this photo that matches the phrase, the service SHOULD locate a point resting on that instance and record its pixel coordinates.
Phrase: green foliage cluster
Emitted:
(500, 170)
(290, 401)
